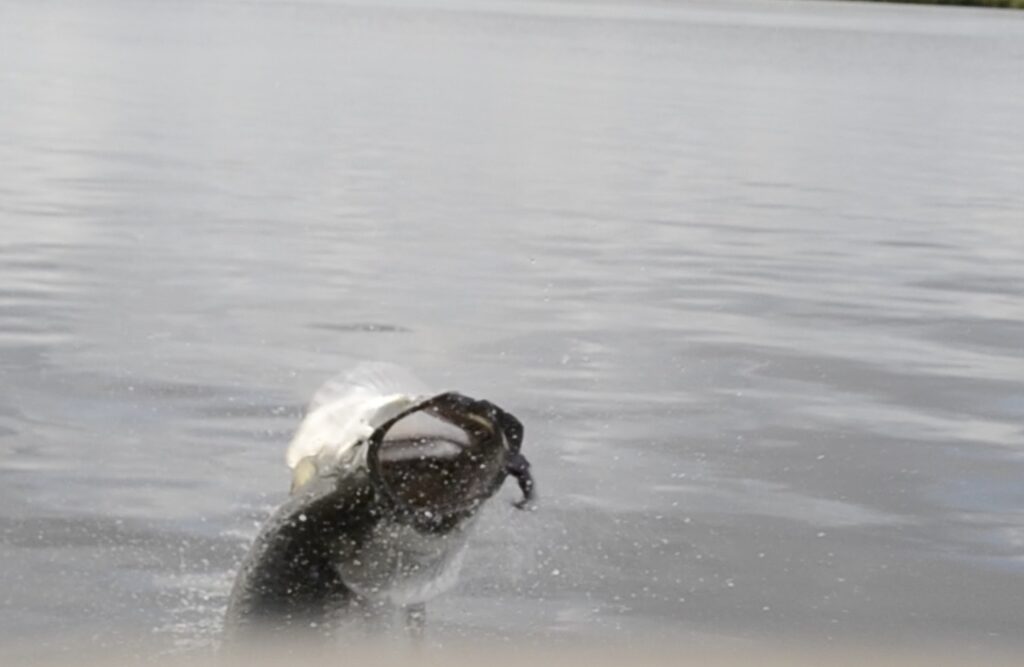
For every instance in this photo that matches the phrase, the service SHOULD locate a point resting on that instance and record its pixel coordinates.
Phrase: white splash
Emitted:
(345, 409)
(348, 407)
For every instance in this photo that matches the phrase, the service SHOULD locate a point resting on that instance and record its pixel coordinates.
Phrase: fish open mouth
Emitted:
(445, 455)
(395, 451)
(423, 434)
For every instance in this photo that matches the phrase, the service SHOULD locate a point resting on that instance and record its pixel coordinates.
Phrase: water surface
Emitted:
(750, 273)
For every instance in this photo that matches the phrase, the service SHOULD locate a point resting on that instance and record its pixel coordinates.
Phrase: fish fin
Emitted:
(304, 471)
(416, 620)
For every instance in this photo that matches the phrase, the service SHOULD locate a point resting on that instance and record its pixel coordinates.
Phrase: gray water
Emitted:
(751, 274)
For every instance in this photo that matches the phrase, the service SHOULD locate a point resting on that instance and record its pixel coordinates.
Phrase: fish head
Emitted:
(438, 461)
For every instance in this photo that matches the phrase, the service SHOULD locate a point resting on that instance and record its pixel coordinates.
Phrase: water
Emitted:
(751, 273)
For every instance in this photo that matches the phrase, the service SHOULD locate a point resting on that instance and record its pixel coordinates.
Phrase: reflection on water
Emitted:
(749, 273)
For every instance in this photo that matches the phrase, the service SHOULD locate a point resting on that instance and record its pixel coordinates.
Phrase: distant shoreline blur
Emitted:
(996, 4)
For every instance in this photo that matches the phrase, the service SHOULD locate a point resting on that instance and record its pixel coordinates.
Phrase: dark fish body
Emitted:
(289, 578)
(381, 527)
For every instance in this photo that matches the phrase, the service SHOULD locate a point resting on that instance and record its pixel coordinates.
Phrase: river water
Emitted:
(751, 274)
